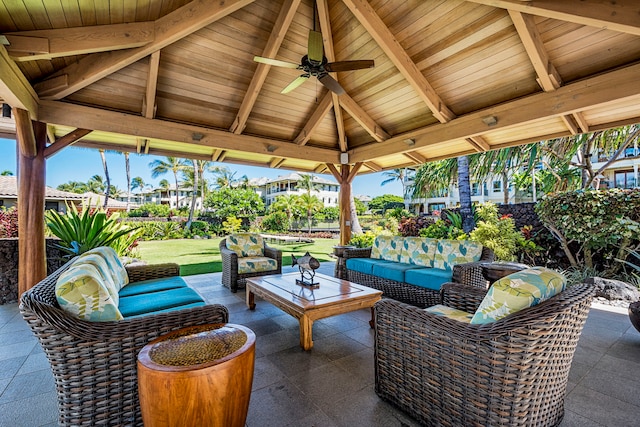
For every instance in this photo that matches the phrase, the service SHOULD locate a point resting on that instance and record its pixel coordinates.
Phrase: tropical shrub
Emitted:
(198, 228)
(496, 233)
(82, 231)
(398, 213)
(442, 229)
(411, 226)
(150, 210)
(380, 204)
(8, 222)
(594, 227)
(328, 214)
(231, 224)
(363, 240)
(236, 202)
(276, 222)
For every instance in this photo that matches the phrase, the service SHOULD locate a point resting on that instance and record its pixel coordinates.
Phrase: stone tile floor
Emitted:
(333, 384)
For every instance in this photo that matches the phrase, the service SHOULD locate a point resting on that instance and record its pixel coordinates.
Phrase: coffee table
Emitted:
(332, 297)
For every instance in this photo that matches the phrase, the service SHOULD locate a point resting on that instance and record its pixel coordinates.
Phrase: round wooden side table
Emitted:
(197, 376)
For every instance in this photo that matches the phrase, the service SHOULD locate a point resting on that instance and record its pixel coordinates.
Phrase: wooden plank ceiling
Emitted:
(451, 77)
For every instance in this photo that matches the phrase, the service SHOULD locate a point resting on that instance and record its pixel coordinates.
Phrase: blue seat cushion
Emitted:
(180, 307)
(430, 278)
(365, 265)
(157, 301)
(394, 270)
(152, 285)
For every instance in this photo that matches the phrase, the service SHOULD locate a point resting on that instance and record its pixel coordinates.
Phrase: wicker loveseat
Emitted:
(94, 362)
(514, 371)
(247, 255)
(412, 269)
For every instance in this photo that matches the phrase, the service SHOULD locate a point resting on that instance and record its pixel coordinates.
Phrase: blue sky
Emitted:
(79, 164)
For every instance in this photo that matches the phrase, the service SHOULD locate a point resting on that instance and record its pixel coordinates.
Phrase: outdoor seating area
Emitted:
(292, 387)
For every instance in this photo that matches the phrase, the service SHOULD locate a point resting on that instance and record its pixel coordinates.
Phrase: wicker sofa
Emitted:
(247, 255)
(514, 371)
(94, 362)
(412, 269)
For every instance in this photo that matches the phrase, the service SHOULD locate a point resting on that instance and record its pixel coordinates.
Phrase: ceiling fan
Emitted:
(314, 63)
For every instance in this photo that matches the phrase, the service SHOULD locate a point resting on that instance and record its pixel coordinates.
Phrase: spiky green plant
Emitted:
(81, 231)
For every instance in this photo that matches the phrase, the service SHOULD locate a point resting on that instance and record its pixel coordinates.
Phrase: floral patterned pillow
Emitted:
(517, 291)
(246, 244)
(387, 247)
(452, 252)
(418, 251)
(119, 273)
(451, 313)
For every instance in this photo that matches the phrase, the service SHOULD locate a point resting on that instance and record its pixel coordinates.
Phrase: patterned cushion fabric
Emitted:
(119, 273)
(246, 244)
(418, 251)
(451, 313)
(452, 252)
(81, 292)
(387, 247)
(516, 291)
(256, 264)
(105, 273)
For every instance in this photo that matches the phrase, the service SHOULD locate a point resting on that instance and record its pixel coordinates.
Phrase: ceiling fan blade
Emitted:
(275, 62)
(349, 65)
(315, 50)
(294, 84)
(331, 84)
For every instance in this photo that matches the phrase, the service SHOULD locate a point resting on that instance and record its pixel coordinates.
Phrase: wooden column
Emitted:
(32, 137)
(345, 177)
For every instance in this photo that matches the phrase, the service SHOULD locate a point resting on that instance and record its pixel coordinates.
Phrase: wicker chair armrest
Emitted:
(462, 297)
(487, 255)
(138, 273)
(405, 319)
(357, 253)
(273, 253)
(228, 255)
(470, 274)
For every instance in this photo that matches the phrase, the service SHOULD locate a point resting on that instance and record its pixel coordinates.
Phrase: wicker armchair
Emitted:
(230, 276)
(94, 363)
(512, 372)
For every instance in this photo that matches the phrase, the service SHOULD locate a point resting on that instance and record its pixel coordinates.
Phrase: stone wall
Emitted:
(9, 267)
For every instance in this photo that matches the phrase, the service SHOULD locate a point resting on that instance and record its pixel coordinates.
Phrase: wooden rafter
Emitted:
(54, 43)
(548, 77)
(65, 141)
(314, 121)
(217, 154)
(620, 15)
(372, 166)
(478, 143)
(276, 162)
(571, 124)
(168, 29)
(280, 28)
(363, 119)
(369, 19)
(109, 121)
(417, 158)
(15, 89)
(149, 104)
(602, 89)
(581, 121)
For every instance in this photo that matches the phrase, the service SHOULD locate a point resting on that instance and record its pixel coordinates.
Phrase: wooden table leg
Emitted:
(306, 329)
(250, 298)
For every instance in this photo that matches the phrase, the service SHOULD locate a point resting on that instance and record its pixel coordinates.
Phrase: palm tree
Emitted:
(137, 182)
(173, 164)
(203, 165)
(192, 181)
(107, 189)
(464, 190)
(6, 173)
(164, 184)
(73, 187)
(400, 174)
(306, 183)
(287, 204)
(224, 178)
(128, 173)
(95, 184)
(311, 205)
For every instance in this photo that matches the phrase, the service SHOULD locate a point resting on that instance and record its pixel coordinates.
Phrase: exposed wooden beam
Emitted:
(619, 15)
(372, 166)
(571, 124)
(334, 171)
(149, 105)
(354, 171)
(548, 77)
(65, 141)
(51, 134)
(276, 162)
(15, 89)
(387, 41)
(361, 116)
(613, 86)
(582, 122)
(53, 43)
(320, 169)
(329, 53)
(215, 156)
(24, 132)
(67, 114)
(52, 85)
(168, 29)
(280, 28)
(417, 158)
(479, 143)
(314, 121)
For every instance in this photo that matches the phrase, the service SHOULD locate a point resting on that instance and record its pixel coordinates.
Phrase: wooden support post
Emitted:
(345, 205)
(32, 265)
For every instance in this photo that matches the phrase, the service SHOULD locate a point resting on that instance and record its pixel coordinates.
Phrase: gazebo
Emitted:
(180, 78)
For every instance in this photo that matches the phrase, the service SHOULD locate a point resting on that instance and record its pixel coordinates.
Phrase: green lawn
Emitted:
(197, 256)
